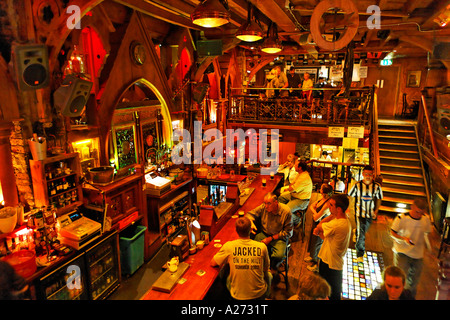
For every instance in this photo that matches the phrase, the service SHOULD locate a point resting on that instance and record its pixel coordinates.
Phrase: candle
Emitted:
(264, 182)
(272, 175)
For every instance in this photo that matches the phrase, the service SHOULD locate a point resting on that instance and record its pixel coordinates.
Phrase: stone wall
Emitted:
(20, 159)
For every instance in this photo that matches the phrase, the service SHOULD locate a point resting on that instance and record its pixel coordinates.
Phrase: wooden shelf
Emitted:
(41, 181)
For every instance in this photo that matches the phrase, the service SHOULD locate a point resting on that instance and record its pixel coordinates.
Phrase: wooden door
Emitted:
(388, 83)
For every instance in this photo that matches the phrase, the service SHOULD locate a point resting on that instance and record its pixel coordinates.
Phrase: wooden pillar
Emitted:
(7, 177)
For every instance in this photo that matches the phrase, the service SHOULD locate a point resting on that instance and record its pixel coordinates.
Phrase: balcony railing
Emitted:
(353, 109)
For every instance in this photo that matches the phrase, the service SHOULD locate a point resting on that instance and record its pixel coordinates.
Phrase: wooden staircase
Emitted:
(400, 167)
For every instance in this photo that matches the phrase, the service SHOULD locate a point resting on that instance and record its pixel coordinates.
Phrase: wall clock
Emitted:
(137, 52)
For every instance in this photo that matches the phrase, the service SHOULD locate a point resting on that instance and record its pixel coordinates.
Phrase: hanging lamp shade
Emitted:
(272, 44)
(210, 14)
(250, 31)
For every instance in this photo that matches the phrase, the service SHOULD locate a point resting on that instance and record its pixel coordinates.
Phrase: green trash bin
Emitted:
(131, 242)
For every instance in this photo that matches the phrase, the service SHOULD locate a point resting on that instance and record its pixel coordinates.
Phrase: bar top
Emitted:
(197, 285)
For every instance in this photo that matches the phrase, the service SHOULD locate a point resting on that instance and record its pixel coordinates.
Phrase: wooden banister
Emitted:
(430, 130)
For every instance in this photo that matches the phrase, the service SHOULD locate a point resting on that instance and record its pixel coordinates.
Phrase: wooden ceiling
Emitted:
(408, 25)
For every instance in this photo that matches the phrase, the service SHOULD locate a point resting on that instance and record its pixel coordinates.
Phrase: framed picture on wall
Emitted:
(150, 140)
(124, 137)
(413, 79)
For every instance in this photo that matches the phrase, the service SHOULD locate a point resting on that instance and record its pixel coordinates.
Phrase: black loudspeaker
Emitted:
(31, 66)
(443, 121)
(72, 96)
(199, 92)
(209, 48)
(441, 51)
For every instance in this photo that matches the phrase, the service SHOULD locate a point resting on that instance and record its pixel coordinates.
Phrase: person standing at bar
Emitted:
(249, 277)
(275, 222)
(279, 81)
(294, 83)
(335, 230)
(368, 195)
(320, 210)
(307, 86)
(410, 233)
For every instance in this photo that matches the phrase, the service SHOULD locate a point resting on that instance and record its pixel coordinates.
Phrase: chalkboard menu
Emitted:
(125, 146)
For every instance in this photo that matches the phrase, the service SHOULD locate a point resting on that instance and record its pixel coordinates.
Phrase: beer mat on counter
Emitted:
(243, 198)
(167, 281)
(222, 208)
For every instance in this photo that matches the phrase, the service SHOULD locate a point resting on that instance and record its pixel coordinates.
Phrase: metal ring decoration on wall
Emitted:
(349, 8)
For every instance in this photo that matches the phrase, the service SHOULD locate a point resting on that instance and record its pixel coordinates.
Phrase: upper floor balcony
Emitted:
(327, 106)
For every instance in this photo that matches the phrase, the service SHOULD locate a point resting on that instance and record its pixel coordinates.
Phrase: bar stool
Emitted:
(302, 214)
(284, 266)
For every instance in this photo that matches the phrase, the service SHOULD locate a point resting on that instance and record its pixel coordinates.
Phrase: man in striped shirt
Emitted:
(368, 195)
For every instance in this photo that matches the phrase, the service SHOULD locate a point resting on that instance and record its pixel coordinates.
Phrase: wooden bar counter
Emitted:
(196, 285)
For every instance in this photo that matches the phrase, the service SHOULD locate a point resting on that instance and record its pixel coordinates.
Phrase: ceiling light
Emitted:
(272, 44)
(250, 31)
(210, 14)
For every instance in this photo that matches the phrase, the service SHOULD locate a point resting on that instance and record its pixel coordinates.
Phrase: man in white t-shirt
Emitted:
(335, 230)
(249, 264)
(410, 234)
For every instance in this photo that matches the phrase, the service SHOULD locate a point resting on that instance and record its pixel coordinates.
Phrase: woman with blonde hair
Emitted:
(312, 287)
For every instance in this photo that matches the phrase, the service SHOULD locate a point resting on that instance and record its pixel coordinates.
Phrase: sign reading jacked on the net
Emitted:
(262, 146)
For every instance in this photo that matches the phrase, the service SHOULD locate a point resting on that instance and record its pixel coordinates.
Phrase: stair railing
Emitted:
(433, 146)
(428, 127)
(427, 190)
(374, 145)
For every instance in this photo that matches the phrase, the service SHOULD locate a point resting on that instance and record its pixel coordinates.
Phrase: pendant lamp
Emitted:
(250, 31)
(210, 14)
(272, 44)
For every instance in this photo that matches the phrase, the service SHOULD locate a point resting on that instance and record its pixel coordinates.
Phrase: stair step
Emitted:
(397, 158)
(405, 194)
(400, 166)
(397, 130)
(400, 151)
(392, 210)
(388, 199)
(388, 136)
(417, 178)
(403, 182)
(395, 143)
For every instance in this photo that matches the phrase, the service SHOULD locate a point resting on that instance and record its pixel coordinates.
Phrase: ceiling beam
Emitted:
(438, 7)
(157, 12)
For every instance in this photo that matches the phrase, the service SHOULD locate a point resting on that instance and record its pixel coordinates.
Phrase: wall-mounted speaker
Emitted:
(31, 66)
(441, 51)
(199, 92)
(443, 121)
(72, 96)
(209, 48)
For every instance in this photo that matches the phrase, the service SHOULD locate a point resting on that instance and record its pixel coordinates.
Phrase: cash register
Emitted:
(76, 231)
